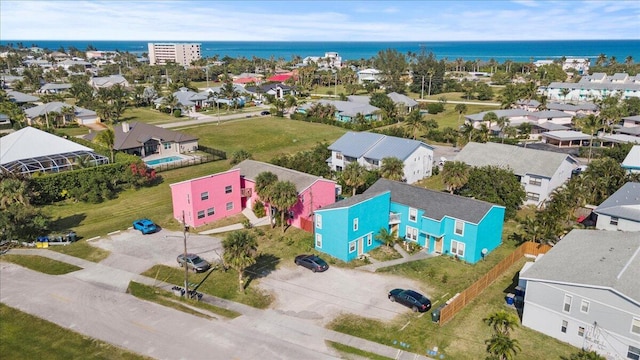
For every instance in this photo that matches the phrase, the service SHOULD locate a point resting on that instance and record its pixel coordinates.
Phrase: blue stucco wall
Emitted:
(337, 226)
(490, 231)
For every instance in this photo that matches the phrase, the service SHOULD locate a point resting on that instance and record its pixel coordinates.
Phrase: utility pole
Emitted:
(335, 92)
(422, 89)
(186, 266)
(430, 76)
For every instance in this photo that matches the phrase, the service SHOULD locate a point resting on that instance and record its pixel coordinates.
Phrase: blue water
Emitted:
(163, 160)
(519, 51)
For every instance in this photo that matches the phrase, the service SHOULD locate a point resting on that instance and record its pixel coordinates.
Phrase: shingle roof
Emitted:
(566, 135)
(139, 133)
(521, 160)
(19, 97)
(56, 106)
(402, 99)
(391, 146)
(607, 259)
(436, 204)
(108, 81)
(250, 169)
(624, 203)
(355, 144)
(51, 86)
(356, 199)
(632, 160)
(499, 113)
(29, 142)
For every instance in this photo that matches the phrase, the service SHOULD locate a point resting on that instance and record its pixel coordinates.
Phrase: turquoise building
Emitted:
(441, 223)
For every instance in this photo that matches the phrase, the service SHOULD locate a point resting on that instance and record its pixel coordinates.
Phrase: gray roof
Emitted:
(356, 199)
(595, 86)
(139, 133)
(56, 106)
(355, 144)
(359, 98)
(20, 98)
(632, 160)
(251, 168)
(435, 204)
(402, 99)
(624, 203)
(606, 259)
(552, 126)
(108, 81)
(375, 146)
(499, 113)
(528, 102)
(620, 138)
(572, 107)
(521, 160)
(632, 118)
(29, 142)
(51, 86)
(549, 114)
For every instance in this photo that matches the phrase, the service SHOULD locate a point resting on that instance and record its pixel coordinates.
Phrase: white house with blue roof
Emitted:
(439, 222)
(631, 162)
(368, 149)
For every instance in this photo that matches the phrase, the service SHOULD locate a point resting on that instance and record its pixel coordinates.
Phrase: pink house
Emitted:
(213, 197)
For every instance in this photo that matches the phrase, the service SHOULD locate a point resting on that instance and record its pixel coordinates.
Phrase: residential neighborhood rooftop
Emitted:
(250, 169)
(624, 203)
(607, 259)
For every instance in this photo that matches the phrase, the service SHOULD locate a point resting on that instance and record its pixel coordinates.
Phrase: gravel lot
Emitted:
(298, 291)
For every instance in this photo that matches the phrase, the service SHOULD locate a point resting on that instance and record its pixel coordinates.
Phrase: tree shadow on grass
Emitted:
(265, 265)
(66, 223)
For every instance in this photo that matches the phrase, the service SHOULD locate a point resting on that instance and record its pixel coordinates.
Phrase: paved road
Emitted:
(198, 119)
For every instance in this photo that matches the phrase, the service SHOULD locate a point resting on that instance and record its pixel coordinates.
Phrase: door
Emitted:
(360, 246)
(438, 247)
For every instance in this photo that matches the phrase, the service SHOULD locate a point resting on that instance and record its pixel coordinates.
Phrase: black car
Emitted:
(411, 299)
(312, 262)
(264, 113)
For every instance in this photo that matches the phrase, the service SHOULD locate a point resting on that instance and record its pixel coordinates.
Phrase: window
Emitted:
(204, 195)
(369, 240)
(200, 214)
(459, 230)
(457, 248)
(564, 326)
(319, 241)
(228, 189)
(339, 156)
(633, 353)
(535, 181)
(318, 221)
(567, 303)
(581, 331)
(210, 211)
(355, 224)
(533, 196)
(338, 168)
(413, 214)
(635, 326)
(584, 306)
(352, 246)
(230, 206)
(613, 221)
(412, 234)
(167, 145)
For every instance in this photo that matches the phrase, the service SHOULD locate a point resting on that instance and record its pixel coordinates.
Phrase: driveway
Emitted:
(323, 296)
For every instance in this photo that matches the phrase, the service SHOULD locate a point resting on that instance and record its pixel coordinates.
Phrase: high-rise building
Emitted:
(179, 53)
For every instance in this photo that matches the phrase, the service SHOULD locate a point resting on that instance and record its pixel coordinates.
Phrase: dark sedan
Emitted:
(312, 262)
(411, 299)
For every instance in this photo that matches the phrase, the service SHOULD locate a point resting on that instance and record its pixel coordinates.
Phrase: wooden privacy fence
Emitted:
(465, 297)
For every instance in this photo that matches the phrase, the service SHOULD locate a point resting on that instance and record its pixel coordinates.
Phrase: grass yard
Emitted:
(264, 137)
(449, 117)
(349, 352)
(23, 336)
(149, 116)
(41, 264)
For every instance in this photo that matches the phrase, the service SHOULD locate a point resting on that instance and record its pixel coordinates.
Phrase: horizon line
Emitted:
(326, 41)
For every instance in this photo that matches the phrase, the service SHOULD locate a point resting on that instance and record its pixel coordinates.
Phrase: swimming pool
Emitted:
(163, 160)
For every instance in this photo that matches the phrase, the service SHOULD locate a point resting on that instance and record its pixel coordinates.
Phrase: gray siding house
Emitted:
(586, 292)
(621, 211)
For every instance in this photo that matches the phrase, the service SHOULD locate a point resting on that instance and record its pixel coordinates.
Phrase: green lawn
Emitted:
(23, 336)
(41, 264)
(149, 116)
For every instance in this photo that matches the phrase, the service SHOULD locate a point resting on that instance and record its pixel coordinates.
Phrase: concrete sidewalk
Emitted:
(253, 219)
(421, 255)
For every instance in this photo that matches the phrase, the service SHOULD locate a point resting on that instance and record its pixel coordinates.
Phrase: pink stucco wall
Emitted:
(187, 197)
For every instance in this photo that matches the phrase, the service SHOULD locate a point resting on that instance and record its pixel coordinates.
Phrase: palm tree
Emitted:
(532, 229)
(502, 123)
(353, 176)
(590, 124)
(387, 237)
(489, 118)
(460, 109)
(502, 322)
(67, 113)
(455, 175)
(170, 102)
(467, 130)
(239, 253)
(415, 121)
(107, 138)
(564, 92)
(13, 190)
(264, 189)
(628, 60)
(285, 195)
(602, 58)
(392, 168)
(502, 346)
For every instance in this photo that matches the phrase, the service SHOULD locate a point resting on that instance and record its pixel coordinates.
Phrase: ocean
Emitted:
(518, 51)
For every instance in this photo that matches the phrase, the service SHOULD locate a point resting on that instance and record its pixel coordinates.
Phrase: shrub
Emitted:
(177, 113)
(435, 108)
(258, 209)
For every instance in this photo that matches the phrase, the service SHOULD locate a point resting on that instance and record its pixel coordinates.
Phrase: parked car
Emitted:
(265, 113)
(312, 262)
(194, 262)
(411, 299)
(145, 226)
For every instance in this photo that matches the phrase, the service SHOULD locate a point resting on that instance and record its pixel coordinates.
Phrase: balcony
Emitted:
(394, 218)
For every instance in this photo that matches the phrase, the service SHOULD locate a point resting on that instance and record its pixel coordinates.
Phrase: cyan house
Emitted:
(439, 222)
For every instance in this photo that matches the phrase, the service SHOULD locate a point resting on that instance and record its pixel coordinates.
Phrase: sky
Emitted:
(338, 20)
